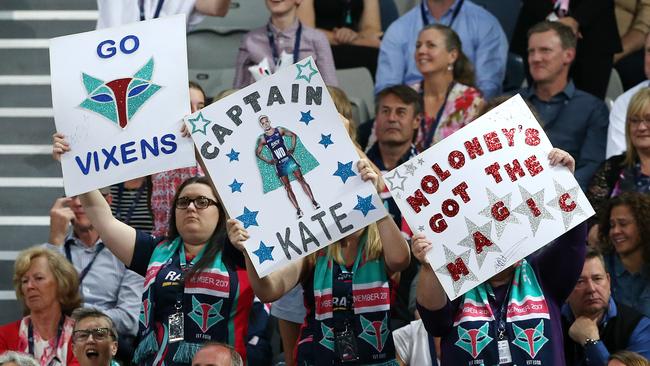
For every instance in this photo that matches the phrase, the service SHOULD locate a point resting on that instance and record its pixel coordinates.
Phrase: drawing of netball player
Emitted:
(283, 160)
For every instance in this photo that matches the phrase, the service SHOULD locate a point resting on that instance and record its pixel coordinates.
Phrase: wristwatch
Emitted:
(591, 342)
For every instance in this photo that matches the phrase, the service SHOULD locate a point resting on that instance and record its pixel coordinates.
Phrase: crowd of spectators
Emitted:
(121, 278)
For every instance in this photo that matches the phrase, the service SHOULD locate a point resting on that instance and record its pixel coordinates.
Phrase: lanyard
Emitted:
(425, 20)
(30, 339)
(274, 48)
(156, 14)
(68, 254)
(120, 193)
(429, 137)
(501, 320)
(361, 245)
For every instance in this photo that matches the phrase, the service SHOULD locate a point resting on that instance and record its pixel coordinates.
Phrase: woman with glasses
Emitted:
(48, 287)
(94, 338)
(630, 171)
(195, 287)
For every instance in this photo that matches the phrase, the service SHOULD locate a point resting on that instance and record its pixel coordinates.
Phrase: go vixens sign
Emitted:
(119, 96)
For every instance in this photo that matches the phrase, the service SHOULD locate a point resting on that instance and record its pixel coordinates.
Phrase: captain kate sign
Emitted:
(119, 96)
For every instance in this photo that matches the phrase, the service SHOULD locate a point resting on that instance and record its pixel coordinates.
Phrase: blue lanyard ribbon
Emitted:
(274, 48)
(425, 20)
(156, 14)
(68, 254)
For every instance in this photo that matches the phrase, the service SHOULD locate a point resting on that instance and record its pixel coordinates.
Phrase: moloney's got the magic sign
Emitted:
(119, 97)
(487, 197)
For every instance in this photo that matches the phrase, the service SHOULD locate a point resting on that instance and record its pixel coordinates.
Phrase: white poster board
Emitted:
(119, 97)
(228, 134)
(487, 197)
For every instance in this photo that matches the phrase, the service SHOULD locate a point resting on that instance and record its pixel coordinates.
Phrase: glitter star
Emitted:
(420, 161)
(326, 140)
(470, 240)
(248, 218)
(264, 253)
(344, 171)
(233, 155)
(306, 117)
(310, 70)
(398, 196)
(199, 124)
(450, 258)
(410, 169)
(421, 228)
(364, 204)
(487, 212)
(235, 186)
(396, 181)
(534, 218)
(569, 206)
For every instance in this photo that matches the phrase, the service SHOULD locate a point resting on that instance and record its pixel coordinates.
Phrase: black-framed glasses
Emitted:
(99, 334)
(200, 202)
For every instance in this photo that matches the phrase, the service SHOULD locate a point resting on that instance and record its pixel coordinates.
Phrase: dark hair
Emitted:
(195, 85)
(567, 37)
(218, 242)
(405, 93)
(594, 253)
(639, 204)
(80, 314)
(235, 358)
(463, 70)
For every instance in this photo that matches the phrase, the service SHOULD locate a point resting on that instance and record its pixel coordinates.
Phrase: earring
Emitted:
(450, 67)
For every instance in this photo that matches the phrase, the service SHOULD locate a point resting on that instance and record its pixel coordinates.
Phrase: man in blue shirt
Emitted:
(595, 325)
(483, 39)
(574, 120)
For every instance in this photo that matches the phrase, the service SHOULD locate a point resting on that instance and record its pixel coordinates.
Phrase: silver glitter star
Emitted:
(420, 161)
(487, 212)
(526, 211)
(450, 257)
(567, 216)
(421, 228)
(396, 181)
(470, 242)
(410, 169)
(398, 196)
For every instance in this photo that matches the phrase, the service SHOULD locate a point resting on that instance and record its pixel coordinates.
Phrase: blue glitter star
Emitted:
(344, 171)
(199, 124)
(326, 140)
(233, 155)
(263, 253)
(310, 68)
(235, 186)
(306, 117)
(248, 218)
(364, 204)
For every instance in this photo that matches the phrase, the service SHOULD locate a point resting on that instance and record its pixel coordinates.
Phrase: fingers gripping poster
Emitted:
(119, 97)
(486, 196)
(284, 166)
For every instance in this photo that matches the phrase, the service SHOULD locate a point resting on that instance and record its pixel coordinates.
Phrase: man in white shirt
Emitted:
(617, 116)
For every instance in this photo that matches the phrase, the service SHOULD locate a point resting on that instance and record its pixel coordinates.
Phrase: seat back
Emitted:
(357, 84)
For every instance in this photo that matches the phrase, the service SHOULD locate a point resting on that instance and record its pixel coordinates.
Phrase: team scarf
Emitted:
(210, 302)
(527, 323)
(371, 304)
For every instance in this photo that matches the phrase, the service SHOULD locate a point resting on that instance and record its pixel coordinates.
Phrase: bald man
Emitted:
(217, 354)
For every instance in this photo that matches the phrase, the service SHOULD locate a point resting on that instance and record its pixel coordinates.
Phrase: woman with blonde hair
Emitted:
(627, 358)
(48, 287)
(355, 272)
(630, 171)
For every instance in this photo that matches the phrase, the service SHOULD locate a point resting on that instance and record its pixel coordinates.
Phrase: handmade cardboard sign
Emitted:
(284, 166)
(119, 97)
(487, 197)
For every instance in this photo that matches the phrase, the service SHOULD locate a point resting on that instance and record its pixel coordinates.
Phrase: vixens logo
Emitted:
(206, 315)
(144, 311)
(119, 99)
(473, 341)
(530, 340)
(328, 337)
(375, 332)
